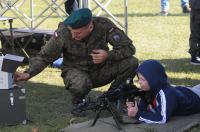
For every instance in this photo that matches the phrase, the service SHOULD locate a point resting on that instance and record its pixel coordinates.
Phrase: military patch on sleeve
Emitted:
(116, 37)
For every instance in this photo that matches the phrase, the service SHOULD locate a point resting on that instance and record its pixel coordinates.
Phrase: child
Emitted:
(167, 100)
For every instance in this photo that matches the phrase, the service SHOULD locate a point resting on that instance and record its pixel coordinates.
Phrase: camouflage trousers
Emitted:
(195, 32)
(79, 83)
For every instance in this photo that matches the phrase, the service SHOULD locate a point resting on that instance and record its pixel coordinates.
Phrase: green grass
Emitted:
(164, 38)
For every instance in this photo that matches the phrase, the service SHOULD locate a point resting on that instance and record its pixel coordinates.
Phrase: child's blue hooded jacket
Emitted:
(168, 100)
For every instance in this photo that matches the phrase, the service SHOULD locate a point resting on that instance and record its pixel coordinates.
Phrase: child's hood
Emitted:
(155, 74)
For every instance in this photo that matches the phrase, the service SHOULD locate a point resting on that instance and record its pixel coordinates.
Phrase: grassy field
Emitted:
(164, 38)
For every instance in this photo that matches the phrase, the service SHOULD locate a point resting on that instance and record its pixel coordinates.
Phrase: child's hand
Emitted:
(132, 108)
(130, 104)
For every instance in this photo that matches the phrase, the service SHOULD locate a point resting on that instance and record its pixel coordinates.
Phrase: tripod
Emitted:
(108, 106)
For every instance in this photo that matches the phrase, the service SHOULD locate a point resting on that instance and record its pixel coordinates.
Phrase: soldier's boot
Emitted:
(78, 105)
(186, 9)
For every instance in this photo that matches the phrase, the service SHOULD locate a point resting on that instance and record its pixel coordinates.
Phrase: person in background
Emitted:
(166, 101)
(194, 40)
(165, 7)
(71, 5)
(87, 60)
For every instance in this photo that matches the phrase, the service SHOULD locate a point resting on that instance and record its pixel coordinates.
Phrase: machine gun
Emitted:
(125, 91)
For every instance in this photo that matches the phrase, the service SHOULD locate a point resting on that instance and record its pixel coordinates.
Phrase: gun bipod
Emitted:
(108, 106)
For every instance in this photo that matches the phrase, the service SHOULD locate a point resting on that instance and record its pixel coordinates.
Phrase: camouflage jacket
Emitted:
(76, 54)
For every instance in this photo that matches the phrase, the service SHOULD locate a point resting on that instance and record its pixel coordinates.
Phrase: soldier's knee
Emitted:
(80, 87)
(133, 62)
(129, 65)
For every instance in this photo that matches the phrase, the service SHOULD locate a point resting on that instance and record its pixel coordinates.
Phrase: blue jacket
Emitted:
(168, 100)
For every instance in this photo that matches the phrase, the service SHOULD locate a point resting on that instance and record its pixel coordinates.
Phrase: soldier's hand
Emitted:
(99, 56)
(21, 76)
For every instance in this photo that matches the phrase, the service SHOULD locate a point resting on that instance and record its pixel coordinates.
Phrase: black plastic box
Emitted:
(12, 106)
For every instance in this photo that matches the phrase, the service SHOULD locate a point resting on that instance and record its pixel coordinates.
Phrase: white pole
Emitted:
(126, 15)
(32, 14)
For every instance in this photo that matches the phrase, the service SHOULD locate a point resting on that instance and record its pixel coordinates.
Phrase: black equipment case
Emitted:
(25, 40)
(33, 39)
(12, 106)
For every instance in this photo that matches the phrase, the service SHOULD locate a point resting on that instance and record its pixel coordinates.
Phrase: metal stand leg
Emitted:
(11, 35)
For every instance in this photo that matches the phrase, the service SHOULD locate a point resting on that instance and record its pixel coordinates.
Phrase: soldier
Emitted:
(87, 61)
(195, 32)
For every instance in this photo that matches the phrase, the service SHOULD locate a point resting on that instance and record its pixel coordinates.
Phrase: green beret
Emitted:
(79, 18)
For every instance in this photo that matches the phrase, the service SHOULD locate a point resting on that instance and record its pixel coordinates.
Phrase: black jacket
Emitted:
(195, 4)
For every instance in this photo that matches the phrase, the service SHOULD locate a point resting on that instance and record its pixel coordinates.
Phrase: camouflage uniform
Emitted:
(195, 28)
(79, 73)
